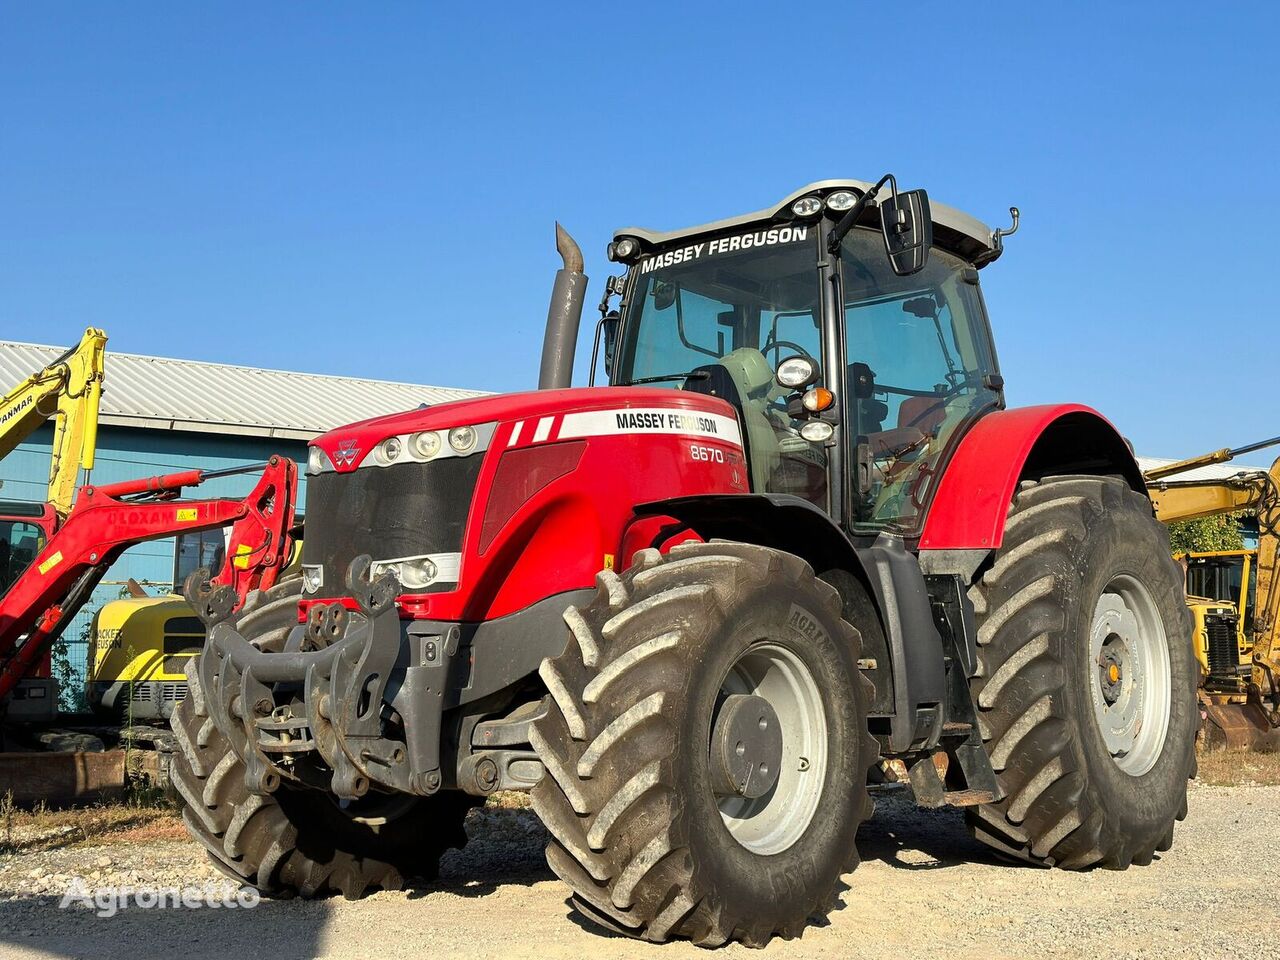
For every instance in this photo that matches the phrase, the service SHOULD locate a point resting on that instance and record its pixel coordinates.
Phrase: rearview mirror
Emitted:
(908, 231)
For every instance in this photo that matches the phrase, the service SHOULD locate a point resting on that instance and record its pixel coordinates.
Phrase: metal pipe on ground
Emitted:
(563, 315)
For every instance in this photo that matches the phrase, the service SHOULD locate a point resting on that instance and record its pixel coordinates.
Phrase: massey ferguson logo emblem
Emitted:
(346, 453)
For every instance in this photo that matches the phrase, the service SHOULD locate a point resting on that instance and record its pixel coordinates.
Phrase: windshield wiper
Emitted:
(691, 375)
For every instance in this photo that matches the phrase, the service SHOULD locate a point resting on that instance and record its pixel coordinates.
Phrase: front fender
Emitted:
(1009, 446)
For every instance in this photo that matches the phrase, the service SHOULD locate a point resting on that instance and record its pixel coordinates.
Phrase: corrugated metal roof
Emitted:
(1217, 471)
(163, 394)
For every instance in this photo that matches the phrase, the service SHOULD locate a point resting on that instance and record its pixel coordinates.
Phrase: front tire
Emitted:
(1086, 691)
(298, 841)
(706, 747)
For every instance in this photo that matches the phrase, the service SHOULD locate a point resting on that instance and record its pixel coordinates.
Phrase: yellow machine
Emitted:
(1241, 710)
(67, 390)
(139, 646)
(138, 653)
(1220, 593)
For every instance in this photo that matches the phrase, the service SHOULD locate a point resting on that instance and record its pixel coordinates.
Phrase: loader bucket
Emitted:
(1236, 726)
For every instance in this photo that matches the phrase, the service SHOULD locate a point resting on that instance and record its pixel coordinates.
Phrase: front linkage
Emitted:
(323, 690)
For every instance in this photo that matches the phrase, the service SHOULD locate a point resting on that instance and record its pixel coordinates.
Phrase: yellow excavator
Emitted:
(68, 391)
(1240, 662)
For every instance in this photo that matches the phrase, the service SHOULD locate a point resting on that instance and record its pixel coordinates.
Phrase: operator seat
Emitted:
(918, 417)
(744, 379)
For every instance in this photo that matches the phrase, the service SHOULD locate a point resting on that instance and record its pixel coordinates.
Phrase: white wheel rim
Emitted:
(1130, 675)
(773, 822)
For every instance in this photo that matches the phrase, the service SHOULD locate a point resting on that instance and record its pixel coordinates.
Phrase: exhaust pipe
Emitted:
(563, 316)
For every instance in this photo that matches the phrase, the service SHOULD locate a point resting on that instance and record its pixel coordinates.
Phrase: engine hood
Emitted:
(542, 413)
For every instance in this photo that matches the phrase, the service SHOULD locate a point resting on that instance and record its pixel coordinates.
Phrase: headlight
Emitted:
(389, 450)
(416, 574)
(841, 200)
(625, 247)
(426, 444)
(312, 577)
(817, 431)
(462, 439)
(806, 206)
(796, 372)
(317, 459)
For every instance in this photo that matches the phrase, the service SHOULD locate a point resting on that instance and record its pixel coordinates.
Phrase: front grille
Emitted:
(407, 510)
(1223, 650)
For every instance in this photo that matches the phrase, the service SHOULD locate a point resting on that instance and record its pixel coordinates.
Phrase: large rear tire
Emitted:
(1086, 691)
(706, 747)
(298, 841)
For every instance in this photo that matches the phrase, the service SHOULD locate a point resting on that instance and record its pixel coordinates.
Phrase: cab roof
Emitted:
(953, 230)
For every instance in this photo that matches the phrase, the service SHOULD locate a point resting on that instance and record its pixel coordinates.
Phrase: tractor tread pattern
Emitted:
(252, 838)
(608, 798)
(1048, 815)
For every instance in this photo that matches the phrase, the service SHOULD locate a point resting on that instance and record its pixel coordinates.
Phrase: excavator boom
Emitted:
(107, 520)
(69, 390)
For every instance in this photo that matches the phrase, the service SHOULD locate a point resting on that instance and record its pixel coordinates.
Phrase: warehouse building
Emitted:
(161, 415)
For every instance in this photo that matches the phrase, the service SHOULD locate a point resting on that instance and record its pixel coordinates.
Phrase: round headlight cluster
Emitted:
(462, 439)
(426, 444)
(796, 372)
(626, 247)
(389, 450)
(841, 200)
(806, 206)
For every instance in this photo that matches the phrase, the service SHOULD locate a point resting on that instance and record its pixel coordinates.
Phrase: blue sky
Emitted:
(371, 190)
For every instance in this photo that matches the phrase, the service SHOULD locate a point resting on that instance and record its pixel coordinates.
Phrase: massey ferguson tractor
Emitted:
(796, 546)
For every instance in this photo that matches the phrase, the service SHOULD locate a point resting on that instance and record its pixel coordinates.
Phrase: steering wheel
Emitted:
(777, 344)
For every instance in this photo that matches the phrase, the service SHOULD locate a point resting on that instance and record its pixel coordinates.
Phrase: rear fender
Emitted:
(1004, 448)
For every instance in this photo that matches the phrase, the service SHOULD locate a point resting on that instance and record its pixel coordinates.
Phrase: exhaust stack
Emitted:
(563, 316)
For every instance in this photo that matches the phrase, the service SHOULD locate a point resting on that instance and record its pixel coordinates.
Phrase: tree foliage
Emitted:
(1205, 534)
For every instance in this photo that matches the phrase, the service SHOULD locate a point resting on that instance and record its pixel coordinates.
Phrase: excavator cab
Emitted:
(24, 528)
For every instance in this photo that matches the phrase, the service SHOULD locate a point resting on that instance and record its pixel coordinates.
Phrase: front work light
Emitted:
(796, 372)
(841, 200)
(817, 431)
(806, 206)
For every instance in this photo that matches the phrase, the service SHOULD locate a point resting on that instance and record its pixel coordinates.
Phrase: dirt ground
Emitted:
(924, 888)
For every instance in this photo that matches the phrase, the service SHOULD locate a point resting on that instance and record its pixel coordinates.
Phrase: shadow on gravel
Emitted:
(282, 930)
(908, 837)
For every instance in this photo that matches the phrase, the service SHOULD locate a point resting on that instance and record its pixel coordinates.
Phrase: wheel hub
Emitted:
(1132, 685)
(746, 747)
(767, 748)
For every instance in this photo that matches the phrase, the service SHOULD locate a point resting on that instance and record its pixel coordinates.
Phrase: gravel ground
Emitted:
(924, 887)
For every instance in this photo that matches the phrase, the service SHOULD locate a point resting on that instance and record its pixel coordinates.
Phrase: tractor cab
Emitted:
(852, 339)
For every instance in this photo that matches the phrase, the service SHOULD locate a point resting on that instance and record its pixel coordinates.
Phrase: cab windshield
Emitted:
(730, 309)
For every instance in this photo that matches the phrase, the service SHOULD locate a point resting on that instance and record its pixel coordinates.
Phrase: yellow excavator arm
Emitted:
(1257, 491)
(69, 390)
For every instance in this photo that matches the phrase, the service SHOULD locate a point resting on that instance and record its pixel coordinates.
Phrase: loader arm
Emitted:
(107, 520)
(1257, 491)
(69, 390)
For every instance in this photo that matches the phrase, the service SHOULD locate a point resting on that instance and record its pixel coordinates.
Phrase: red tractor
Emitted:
(797, 544)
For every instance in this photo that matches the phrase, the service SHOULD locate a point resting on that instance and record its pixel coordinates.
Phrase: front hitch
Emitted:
(324, 692)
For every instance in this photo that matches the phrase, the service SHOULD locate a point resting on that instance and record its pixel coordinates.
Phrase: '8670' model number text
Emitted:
(705, 454)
